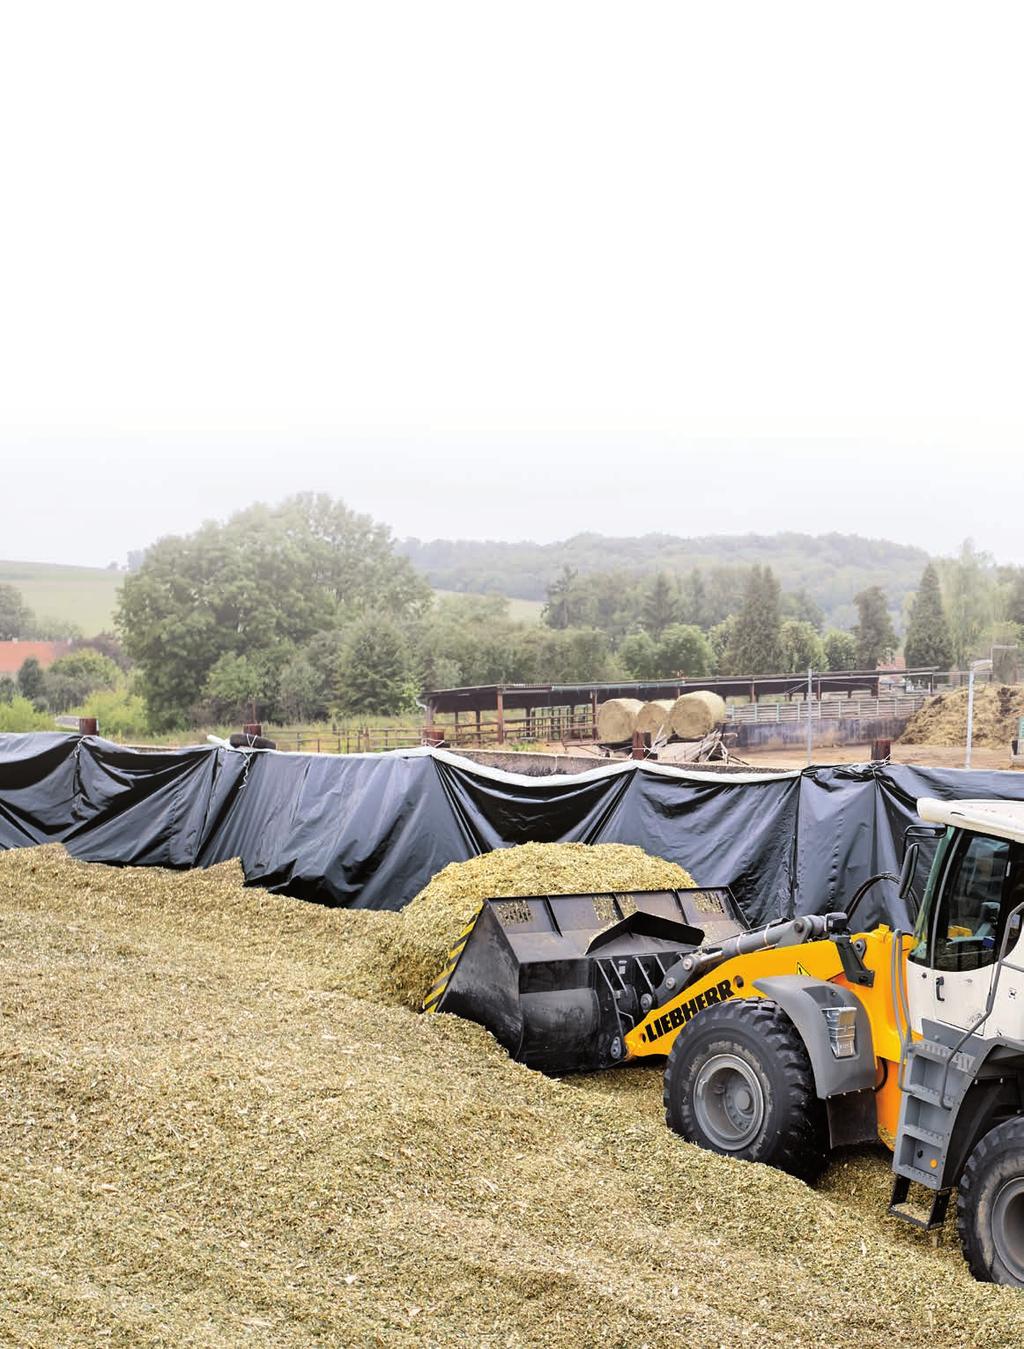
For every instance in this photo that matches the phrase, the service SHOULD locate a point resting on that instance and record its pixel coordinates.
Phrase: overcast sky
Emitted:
(512, 271)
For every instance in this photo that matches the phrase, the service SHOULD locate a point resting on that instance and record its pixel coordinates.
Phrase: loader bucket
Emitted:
(559, 979)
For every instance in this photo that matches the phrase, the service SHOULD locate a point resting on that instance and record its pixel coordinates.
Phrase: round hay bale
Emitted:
(693, 715)
(616, 720)
(653, 717)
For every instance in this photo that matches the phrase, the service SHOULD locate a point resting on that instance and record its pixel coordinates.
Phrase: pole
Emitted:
(810, 727)
(974, 665)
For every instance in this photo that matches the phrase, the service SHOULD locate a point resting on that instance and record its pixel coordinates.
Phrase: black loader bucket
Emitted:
(559, 979)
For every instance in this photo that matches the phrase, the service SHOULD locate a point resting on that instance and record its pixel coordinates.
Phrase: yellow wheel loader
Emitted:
(807, 1034)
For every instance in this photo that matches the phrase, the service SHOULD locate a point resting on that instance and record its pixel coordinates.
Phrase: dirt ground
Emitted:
(928, 756)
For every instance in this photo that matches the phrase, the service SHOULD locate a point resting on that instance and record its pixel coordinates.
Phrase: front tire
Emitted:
(739, 1082)
(990, 1206)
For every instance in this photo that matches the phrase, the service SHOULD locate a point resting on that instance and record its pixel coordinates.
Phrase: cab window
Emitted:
(968, 923)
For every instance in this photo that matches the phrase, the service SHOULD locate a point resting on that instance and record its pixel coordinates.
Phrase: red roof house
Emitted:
(14, 654)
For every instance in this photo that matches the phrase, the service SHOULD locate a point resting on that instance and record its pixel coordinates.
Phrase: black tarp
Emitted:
(370, 830)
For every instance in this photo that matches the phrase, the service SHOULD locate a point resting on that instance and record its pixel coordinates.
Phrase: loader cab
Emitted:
(975, 884)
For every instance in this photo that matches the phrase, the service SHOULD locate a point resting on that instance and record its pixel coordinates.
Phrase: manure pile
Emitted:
(943, 719)
(205, 1139)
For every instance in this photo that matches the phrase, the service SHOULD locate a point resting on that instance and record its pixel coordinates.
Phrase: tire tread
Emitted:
(804, 1150)
(972, 1203)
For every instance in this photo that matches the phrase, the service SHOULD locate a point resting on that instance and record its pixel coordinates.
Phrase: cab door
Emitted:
(950, 967)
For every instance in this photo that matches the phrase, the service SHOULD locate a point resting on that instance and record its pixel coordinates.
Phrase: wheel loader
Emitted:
(786, 1041)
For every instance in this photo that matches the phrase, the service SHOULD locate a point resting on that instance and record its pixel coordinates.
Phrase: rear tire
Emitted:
(739, 1082)
(990, 1206)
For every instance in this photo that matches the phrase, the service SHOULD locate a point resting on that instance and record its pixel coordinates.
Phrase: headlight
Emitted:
(842, 1030)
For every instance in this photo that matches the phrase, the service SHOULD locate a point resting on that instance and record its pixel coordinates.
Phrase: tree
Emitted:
(22, 715)
(723, 640)
(840, 650)
(928, 640)
(640, 656)
(71, 679)
(32, 682)
(119, 712)
(684, 650)
(572, 655)
(8, 689)
(694, 600)
(799, 605)
(303, 694)
(660, 605)
(239, 688)
(1014, 602)
(15, 616)
(108, 644)
(375, 675)
(269, 579)
(968, 583)
(756, 647)
(802, 648)
(560, 610)
(874, 633)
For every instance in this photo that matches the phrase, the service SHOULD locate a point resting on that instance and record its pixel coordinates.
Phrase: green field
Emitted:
(521, 611)
(85, 596)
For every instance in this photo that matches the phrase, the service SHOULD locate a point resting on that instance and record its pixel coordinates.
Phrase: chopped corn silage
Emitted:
(415, 948)
(205, 1141)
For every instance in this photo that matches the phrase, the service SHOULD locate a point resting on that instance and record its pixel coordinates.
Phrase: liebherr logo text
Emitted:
(681, 1014)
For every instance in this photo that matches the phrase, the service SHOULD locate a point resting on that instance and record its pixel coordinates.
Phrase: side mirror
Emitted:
(908, 870)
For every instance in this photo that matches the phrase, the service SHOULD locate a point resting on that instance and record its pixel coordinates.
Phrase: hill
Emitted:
(832, 568)
(84, 596)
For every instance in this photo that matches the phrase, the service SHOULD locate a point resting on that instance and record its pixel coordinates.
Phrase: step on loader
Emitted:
(784, 1042)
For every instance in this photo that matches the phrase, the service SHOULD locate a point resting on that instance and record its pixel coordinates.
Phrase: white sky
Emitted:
(512, 271)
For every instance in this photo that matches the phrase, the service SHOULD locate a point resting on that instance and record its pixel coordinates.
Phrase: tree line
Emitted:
(831, 568)
(305, 610)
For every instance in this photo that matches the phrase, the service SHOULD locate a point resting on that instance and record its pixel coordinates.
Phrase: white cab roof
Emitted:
(1004, 819)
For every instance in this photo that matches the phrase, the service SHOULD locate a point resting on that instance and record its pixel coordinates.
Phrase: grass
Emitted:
(85, 596)
(520, 611)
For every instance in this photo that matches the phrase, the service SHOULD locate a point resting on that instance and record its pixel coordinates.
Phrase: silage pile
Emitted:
(415, 948)
(943, 719)
(205, 1141)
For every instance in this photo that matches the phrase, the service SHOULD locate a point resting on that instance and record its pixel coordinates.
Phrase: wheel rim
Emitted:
(728, 1100)
(1008, 1226)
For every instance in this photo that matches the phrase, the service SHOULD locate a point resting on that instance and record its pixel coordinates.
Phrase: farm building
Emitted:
(14, 654)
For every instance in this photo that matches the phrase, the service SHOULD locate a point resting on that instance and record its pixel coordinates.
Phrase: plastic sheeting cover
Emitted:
(370, 830)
